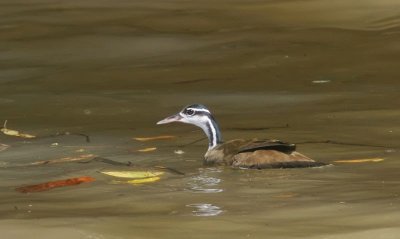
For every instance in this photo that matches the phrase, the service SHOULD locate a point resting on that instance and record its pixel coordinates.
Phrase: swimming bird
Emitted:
(240, 153)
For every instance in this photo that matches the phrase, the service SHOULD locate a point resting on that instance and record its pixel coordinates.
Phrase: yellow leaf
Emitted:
(144, 180)
(147, 149)
(143, 139)
(375, 160)
(133, 174)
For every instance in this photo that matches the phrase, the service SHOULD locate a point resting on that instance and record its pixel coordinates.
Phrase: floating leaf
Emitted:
(66, 159)
(147, 149)
(54, 184)
(375, 160)
(133, 174)
(27, 136)
(4, 147)
(179, 151)
(143, 139)
(16, 133)
(9, 132)
(286, 195)
(144, 180)
(320, 81)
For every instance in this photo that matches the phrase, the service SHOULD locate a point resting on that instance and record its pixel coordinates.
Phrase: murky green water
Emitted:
(111, 69)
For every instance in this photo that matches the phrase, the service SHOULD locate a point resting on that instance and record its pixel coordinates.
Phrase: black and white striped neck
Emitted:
(211, 129)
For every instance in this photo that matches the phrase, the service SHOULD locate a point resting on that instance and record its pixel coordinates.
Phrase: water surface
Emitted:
(110, 70)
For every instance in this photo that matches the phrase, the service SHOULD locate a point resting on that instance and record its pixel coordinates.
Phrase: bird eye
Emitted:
(190, 112)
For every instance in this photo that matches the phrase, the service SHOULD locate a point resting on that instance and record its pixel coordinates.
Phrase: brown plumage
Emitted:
(240, 153)
(258, 154)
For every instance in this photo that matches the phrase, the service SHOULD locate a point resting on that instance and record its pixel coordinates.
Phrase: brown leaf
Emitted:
(54, 184)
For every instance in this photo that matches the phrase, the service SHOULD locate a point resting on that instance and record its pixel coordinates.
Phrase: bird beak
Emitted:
(170, 119)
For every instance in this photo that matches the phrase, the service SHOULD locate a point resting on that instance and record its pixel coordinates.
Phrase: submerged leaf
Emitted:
(4, 147)
(144, 180)
(169, 169)
(108, 161)
(66, 159)
(133, 174)
(375, 160)
(147, 149)
(54, 184)
(154, 138)
(16, 133)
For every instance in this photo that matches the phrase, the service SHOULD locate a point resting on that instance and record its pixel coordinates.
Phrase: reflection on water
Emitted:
(205, 209)
(206, 182)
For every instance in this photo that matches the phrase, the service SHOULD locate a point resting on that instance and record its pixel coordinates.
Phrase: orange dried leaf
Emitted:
(143, 139)
(66, 159)
(54, 184)
(147, 149)
(375, 160)
(286, 195)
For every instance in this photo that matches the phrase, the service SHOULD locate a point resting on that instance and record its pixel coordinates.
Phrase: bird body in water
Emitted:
(240, 153)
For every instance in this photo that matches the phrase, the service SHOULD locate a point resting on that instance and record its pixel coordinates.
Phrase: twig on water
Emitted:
(87, 137)
(258, 128)
(193, 142)
(342, 143)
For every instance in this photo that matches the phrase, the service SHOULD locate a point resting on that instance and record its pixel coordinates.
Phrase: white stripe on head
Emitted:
(199, 110)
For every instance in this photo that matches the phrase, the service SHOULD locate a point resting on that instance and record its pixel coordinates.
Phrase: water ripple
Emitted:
(205, 182)
(205, 209)
(386, 23)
